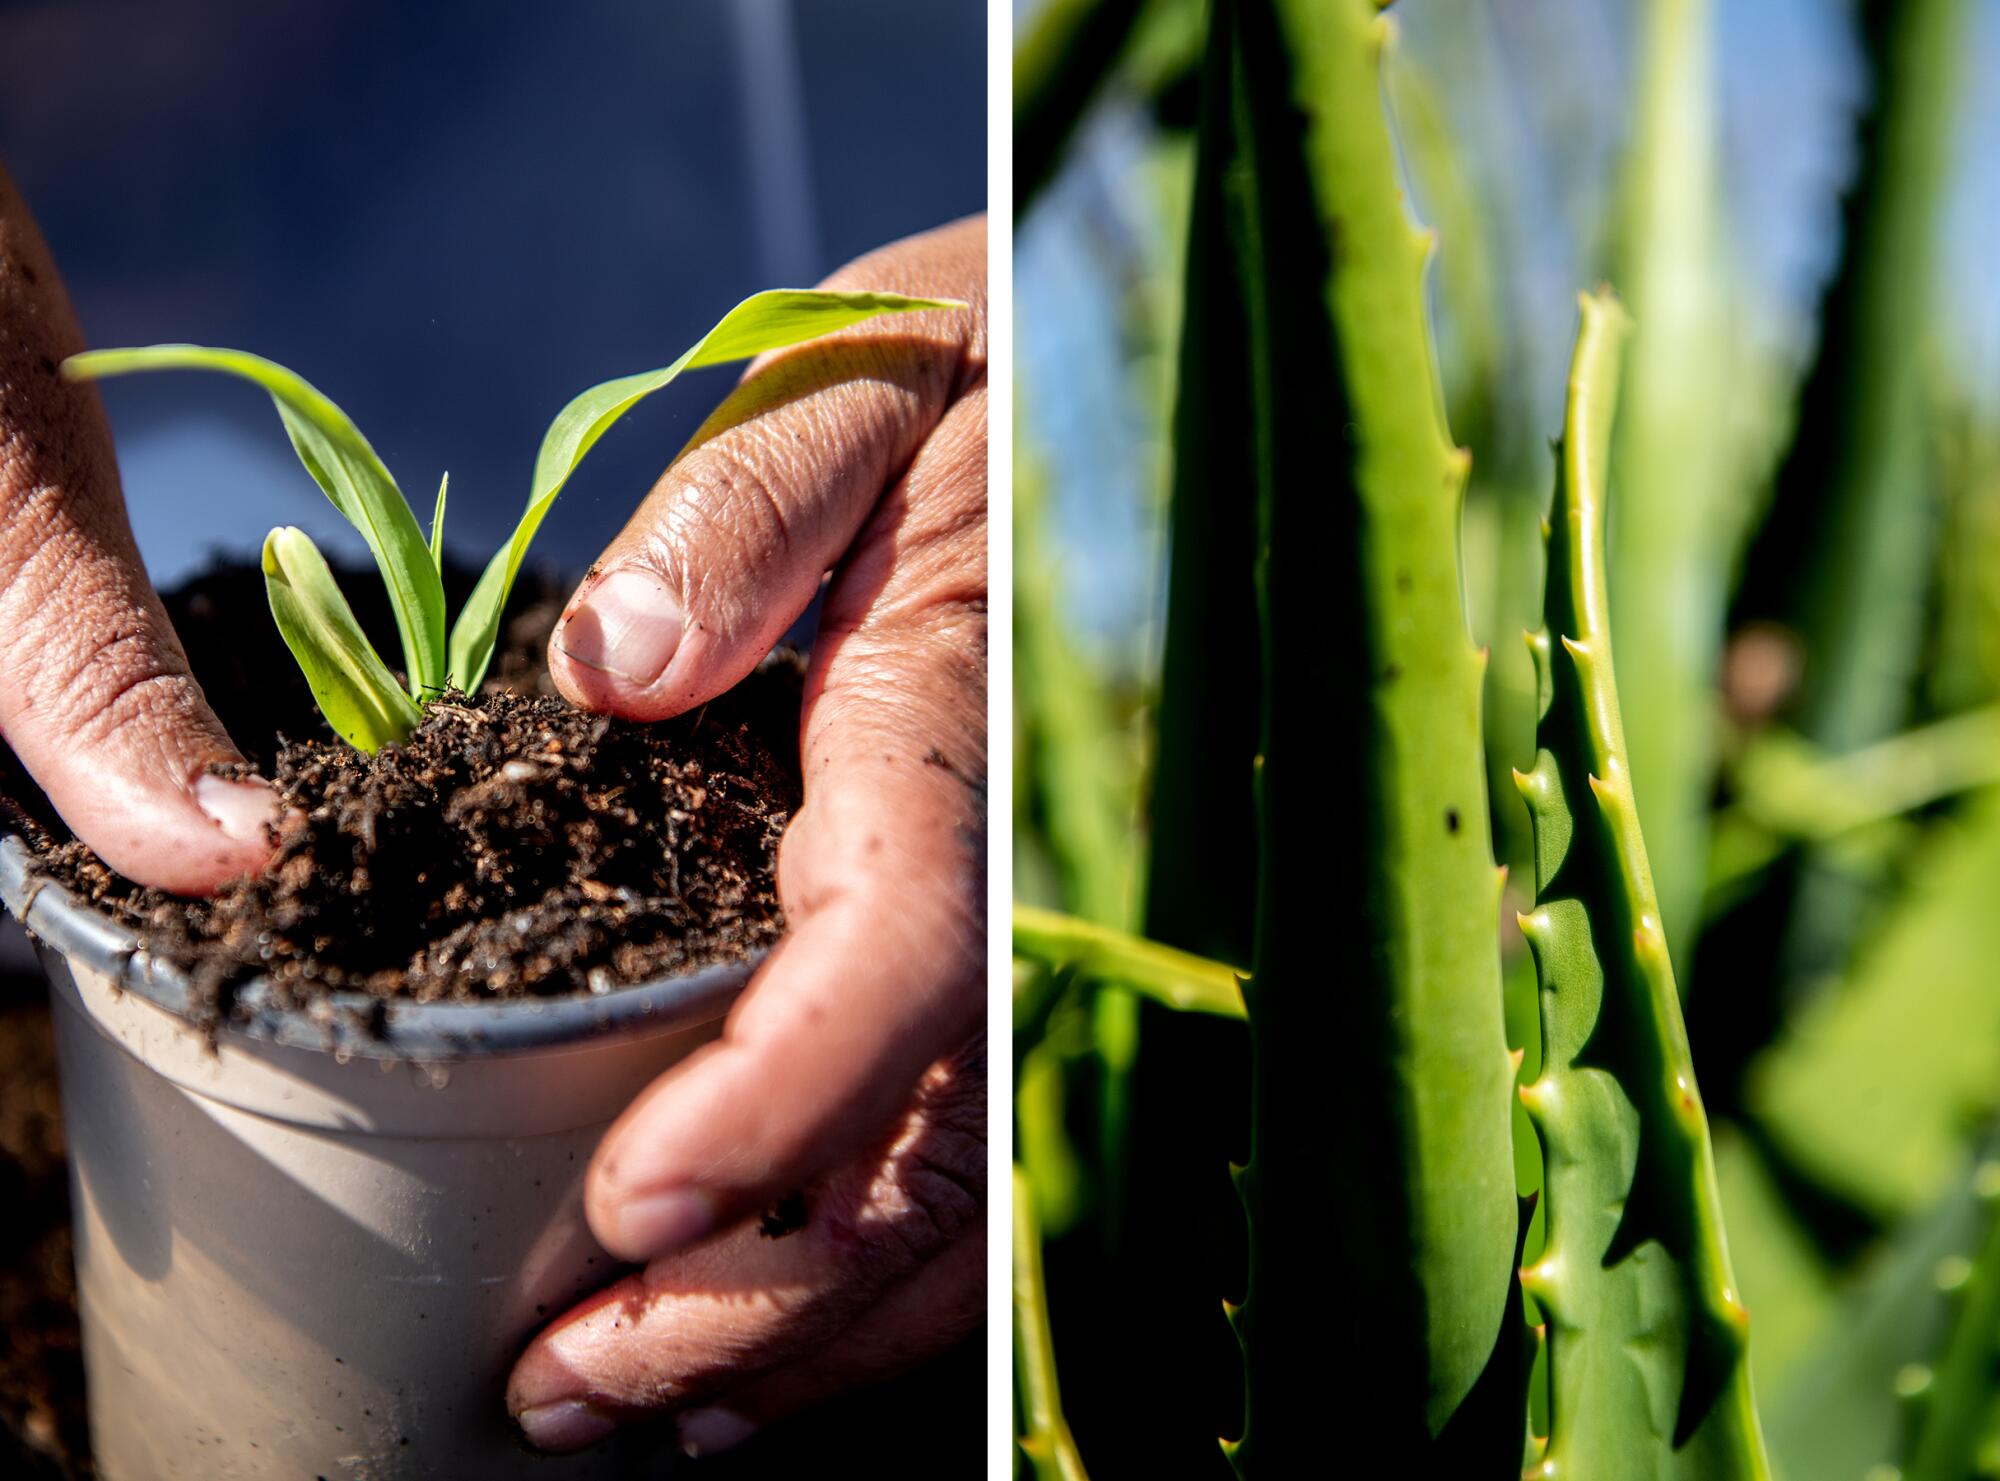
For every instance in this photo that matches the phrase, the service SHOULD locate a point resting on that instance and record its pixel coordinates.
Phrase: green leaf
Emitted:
(1171, 977)
(1875, 1089)
(341, 463)
(1646, 1336)
(1047, 1444)
(764, 321)
(1394, 1159)
(437, 528)
(358, 695)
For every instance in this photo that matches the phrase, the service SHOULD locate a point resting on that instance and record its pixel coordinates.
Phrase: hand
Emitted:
(95, 695)
(848, 1088)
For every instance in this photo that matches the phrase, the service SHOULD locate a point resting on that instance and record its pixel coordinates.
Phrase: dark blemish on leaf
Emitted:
(1393, 671)
(1403, 582)
(788, 1217)
(1451, 820)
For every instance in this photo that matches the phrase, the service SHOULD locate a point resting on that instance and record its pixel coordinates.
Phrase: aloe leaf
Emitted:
(358, 695)
(1381, 1139)
(1689, 469)
(1047, 1444)
(1062, 58)
(765, 321)
(1860, 465)
(1860, 1396)
(343, 464)
(1173, 978)
(1852, 540)
(1199, 805)
(1079, 789)
(1875, 1087)
(437, 528)
(1954, 1396)
(1647, 1337)
(1785, 1272)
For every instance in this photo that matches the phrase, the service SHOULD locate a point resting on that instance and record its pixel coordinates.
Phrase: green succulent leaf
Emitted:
(1646, 1334)
(764, 321)
(1395, 1163)
(437, 528)
(1171, 977)
(358, 695)
(344, 466)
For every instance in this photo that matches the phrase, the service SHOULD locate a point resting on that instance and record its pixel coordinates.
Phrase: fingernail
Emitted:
(569, 1425)
(243, 810)
(628, 626)
(712, 1431)
(660, 1223)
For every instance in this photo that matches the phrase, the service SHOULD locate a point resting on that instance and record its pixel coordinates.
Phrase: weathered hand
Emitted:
(95, 695)
(852, 1072)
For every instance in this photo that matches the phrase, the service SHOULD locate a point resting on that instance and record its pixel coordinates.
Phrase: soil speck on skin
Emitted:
(515, 846)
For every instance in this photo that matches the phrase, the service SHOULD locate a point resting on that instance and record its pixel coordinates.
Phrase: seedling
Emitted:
(356, 691)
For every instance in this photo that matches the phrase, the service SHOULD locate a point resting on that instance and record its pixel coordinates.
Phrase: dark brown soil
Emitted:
(514, 846)
(256, 689)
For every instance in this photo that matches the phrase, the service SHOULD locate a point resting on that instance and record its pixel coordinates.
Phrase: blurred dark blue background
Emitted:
(451, 217)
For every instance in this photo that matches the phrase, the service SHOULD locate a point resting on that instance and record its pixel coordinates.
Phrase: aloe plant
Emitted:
(1646, 1332)
(360, 698)
(1319, 761)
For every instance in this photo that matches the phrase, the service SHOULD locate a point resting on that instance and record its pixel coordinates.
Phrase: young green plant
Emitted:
(359, 696)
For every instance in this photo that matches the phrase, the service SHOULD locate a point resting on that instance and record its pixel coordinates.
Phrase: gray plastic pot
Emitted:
(312, 1250)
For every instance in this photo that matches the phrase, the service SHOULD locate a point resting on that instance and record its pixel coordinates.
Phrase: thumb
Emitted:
(95, 694)
(729, 548)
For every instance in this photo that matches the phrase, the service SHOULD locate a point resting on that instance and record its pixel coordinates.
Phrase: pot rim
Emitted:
(345, 1023)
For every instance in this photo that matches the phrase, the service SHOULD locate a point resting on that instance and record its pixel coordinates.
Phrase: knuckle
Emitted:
(123, 688)
(87, 663)
(717, 519)
(926, 1188)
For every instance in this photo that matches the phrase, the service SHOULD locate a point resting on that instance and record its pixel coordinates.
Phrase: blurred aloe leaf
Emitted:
(1080, 782)
(1061, 59)
(1046, 1441)
(1859, 464)
(765, 321)
(343, 464)
(1954, 1429)
(1786, 1279)
(1876, 1087)
(1838, 1415)
(357, 694)
(1690, 462)
(1176, 979)
(1847, 556)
